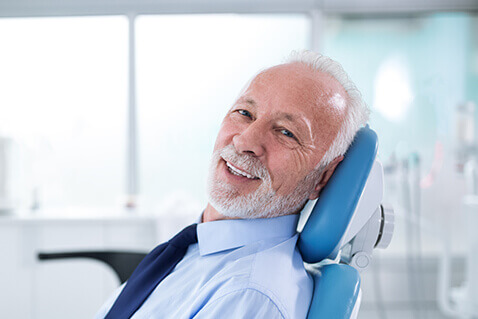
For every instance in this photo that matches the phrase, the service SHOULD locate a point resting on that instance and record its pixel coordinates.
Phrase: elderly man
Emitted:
(277, 147)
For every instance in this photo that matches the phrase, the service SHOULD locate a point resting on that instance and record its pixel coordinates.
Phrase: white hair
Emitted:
(357, 111)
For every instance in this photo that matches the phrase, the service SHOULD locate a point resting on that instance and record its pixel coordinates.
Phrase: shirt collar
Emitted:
(227, 234)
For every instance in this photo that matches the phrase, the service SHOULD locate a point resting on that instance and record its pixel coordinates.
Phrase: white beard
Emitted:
(263, 202)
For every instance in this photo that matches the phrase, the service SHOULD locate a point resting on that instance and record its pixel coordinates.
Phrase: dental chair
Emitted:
(345, 225)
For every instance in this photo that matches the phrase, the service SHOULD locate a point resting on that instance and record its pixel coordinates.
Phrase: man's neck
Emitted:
(211, 214)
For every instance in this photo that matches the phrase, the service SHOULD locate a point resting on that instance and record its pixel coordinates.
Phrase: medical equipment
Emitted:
(463, 301)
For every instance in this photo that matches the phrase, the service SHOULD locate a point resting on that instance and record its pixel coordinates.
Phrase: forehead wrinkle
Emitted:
(311, 135)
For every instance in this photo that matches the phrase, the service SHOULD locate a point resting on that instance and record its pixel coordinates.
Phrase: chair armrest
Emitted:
(123, 263)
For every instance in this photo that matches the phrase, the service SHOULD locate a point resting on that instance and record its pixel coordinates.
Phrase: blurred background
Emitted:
(109, 112)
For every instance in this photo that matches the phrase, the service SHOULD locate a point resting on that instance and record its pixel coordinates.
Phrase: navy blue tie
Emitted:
(149, 273)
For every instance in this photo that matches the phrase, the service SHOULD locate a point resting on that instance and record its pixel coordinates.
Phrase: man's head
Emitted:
(286, 133)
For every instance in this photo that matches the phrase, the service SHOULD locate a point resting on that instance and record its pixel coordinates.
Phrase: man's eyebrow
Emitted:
(250, 101)
(289, 117)
(303, 126)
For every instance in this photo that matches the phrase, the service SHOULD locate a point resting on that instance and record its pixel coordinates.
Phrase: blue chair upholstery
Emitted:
(338, 200)
(337, 286)
(336, 290)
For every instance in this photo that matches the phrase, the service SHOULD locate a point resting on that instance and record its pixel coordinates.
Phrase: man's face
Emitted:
(271, 140)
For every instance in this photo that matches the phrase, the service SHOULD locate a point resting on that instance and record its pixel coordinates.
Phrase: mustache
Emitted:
(247, 162)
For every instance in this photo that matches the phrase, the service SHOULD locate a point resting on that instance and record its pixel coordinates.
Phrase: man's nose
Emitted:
(251, 140)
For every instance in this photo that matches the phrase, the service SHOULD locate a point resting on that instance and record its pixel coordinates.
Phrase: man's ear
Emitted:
(325, 176)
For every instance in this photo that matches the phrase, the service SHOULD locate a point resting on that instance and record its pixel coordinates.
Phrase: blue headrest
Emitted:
(336, 205)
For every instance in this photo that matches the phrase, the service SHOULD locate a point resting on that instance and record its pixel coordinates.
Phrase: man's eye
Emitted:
(245, 113)
(287, 133)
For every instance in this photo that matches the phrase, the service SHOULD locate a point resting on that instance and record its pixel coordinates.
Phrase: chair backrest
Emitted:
(345, 205)
(333, 212)
(336, 292)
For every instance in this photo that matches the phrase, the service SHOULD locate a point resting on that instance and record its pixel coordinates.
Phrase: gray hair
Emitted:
(357, 111)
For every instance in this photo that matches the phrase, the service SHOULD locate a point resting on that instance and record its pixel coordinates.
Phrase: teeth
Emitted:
(237, 172)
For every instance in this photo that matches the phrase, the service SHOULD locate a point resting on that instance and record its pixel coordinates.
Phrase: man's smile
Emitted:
(239, 173)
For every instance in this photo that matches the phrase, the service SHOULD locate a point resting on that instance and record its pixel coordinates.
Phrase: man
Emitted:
(277, 147)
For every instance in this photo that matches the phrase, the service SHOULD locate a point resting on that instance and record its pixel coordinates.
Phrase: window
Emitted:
(412, 71)
(63, 104)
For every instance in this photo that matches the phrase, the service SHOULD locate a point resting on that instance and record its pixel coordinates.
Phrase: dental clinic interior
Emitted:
(109, 112)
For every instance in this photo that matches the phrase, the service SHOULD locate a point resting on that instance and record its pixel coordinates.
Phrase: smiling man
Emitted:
(271, 142)
(277, 147)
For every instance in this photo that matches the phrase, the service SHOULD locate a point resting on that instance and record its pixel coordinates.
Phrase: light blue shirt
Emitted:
(243, 268)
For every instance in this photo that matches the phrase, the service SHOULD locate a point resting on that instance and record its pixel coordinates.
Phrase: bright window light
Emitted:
(393, 94)
(63, 103)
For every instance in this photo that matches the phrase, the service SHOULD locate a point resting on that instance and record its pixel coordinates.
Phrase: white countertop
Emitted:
(78, 215)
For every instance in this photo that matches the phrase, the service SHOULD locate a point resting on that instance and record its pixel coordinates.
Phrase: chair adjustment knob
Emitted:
(386, 228)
